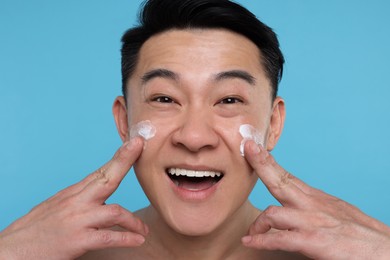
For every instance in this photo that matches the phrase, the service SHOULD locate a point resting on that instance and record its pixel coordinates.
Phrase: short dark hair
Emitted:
(157, 16)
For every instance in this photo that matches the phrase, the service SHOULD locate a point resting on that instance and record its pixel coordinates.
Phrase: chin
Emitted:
(194, 225)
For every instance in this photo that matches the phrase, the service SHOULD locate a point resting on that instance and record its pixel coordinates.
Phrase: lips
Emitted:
(194, 180)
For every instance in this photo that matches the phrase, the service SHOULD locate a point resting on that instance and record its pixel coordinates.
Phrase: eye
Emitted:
(230, 100)
(163, 99)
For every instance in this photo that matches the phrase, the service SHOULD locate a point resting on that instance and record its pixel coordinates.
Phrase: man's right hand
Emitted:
(76, 219)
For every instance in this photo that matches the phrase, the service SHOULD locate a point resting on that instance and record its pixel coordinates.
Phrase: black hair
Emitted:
(157, 16)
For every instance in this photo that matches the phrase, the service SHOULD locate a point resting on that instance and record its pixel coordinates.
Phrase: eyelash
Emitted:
(230, 100)
(168, 100)
(162, 99)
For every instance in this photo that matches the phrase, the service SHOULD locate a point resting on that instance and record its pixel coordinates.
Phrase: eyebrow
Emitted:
(159, 73)
(236, 74)
(168, 74)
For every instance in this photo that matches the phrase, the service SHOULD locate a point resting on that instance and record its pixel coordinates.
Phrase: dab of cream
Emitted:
(144, 129)
(248, 132)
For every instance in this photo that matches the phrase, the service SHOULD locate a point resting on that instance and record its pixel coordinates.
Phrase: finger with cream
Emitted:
(248, 132)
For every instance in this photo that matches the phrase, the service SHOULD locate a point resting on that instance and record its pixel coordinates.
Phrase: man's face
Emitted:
(197, 87)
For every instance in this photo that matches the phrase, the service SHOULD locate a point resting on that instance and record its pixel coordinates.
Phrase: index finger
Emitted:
(107, 178)
(285, 187)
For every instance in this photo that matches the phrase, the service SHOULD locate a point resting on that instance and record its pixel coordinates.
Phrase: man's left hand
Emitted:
(310, 221)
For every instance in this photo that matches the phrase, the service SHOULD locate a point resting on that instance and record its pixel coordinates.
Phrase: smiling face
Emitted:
(197, 87)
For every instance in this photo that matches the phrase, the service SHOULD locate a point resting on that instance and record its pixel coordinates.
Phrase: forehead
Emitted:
(200, 52)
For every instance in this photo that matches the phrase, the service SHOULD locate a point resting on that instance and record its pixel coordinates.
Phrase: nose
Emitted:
(196, 132)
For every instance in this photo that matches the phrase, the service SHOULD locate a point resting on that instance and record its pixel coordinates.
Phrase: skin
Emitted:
(195, 130)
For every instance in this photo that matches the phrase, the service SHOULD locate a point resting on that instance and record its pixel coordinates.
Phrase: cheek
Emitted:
(230, 149)
(148, 167)
(234, 133)
(145, 129)
(230, 137)
(154, 151)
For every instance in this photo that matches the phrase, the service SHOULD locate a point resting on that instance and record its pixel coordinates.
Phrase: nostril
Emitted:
(195, 138)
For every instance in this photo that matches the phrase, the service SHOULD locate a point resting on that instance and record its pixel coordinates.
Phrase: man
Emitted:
(200, 84)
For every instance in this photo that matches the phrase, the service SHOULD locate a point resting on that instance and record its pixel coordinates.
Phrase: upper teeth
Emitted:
(191, 173)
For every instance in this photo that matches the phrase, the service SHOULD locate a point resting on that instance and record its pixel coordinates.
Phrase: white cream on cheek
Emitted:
(144, 129)
(249, 132)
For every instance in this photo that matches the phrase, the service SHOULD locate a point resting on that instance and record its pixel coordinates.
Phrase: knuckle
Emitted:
(271, 211)
(259, 240)
(264, 242)
(105, 237)
(285, 178)
(124, 239)
(101, 175)
(115, 210)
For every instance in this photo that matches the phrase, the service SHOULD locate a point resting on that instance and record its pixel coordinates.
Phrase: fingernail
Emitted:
(140, 239)
(246, 239)
(146, 229)
(255, 148)
(242, 146)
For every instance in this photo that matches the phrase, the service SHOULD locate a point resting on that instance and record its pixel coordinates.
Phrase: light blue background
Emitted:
(60, 72)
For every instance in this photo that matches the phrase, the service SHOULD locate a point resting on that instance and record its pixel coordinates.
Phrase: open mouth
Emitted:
(194, 180)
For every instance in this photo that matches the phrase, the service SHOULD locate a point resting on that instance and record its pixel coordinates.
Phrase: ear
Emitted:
(276, 123)
(119, 110)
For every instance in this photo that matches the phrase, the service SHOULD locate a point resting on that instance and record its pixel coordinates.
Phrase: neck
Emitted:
(224, 241)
